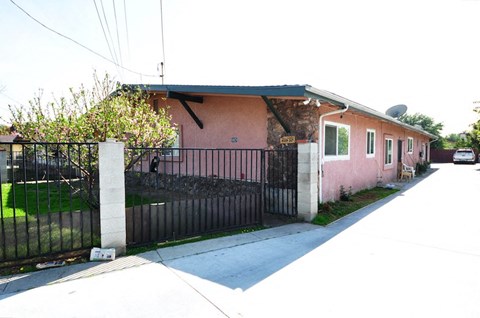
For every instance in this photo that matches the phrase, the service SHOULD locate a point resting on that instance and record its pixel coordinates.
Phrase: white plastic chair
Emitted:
(407, 172)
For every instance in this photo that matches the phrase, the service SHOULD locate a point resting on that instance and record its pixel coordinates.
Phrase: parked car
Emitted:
(465, 155)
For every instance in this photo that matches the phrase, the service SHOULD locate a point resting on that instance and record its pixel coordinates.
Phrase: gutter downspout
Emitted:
(320, 148)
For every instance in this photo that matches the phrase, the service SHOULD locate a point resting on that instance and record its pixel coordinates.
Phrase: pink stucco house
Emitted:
(359, 147)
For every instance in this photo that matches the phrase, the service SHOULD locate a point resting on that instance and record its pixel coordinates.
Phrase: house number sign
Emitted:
(287, 140)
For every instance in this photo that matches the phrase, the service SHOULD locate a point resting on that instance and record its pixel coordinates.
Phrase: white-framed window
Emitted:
(337, 141)
(410, 145)
(388, 151)
(175, 152)
(370, 143)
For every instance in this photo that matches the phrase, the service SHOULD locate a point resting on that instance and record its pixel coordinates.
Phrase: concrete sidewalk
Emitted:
(414, 254)
(23, 282)
(164, 282)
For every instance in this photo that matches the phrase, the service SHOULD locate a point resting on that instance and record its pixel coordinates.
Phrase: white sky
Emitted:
(422, 53)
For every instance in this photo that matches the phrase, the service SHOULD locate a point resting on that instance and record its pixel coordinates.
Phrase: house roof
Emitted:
(8, 138)
(300, 91)
(272, 91)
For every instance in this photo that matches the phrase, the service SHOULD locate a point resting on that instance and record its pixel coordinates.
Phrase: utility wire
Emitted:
(105, 34)
(163, 42)
(109, 33)
(111, 43)
(126, 28)
(10, 98)
(118, 35)
(79, 44)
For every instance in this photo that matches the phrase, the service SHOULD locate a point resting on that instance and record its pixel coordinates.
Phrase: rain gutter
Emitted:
(320, 147)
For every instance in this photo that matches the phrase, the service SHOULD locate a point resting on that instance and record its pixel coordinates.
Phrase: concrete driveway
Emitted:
(416, 254)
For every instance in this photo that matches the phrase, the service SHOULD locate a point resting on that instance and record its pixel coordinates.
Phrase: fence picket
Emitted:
(207, 190)
(188, 192)
(44, 205)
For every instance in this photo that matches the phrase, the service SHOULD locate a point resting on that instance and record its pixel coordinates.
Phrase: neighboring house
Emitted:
(359, 147)
(9, 152)
(11, 149)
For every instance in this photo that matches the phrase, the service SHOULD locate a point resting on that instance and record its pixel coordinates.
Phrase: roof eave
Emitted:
(271, 91)
(340, 101)
(301, 91)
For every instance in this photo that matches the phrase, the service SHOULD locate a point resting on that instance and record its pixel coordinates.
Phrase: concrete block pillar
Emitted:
(307, 181)
(112, 196)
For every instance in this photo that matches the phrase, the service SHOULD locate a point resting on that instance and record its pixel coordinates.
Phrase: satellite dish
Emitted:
(396, 111)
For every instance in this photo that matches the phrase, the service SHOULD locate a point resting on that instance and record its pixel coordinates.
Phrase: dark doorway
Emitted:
(400, 150)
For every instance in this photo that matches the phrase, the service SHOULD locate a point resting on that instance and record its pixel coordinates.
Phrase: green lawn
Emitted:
(46, 197)
(331, 211)
(39, 198)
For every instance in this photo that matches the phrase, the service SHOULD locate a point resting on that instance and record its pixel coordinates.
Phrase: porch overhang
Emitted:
(276, 114)
(183, 99)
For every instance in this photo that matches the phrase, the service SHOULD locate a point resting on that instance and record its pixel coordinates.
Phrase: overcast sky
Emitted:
(422, 53)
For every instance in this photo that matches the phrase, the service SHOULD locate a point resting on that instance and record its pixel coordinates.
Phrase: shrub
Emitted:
(421, 168)
(325, 207)
(345, 195)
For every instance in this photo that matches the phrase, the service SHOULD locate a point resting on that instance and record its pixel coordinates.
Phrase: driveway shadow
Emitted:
(246, 264)
(238, 261)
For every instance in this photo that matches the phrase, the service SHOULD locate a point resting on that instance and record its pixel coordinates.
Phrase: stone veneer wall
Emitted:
(191, 186)
(302, 119)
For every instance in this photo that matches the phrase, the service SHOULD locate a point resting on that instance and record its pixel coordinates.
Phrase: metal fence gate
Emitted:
(48, 198)
(183, 192)
(280, 186)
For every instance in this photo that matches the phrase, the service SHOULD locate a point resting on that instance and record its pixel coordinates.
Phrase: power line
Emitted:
(118, 35)
(109, 33)
(110, 44)
(105, 34)
(79, 44)
(126, 27)
(163, 42)
(10, 98)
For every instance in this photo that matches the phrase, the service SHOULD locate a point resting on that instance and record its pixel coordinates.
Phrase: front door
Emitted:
(400, 151)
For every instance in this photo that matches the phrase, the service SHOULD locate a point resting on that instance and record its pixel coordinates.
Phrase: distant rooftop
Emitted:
(9, 138)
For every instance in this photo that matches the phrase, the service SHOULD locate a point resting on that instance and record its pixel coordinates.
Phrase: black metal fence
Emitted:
(182, 192)
(49, 199)
(281, 181)
(49, 194)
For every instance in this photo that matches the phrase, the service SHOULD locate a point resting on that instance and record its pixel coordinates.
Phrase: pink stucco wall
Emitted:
(359, 171)
(245, 119)
(223, 118)
(229, 122)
